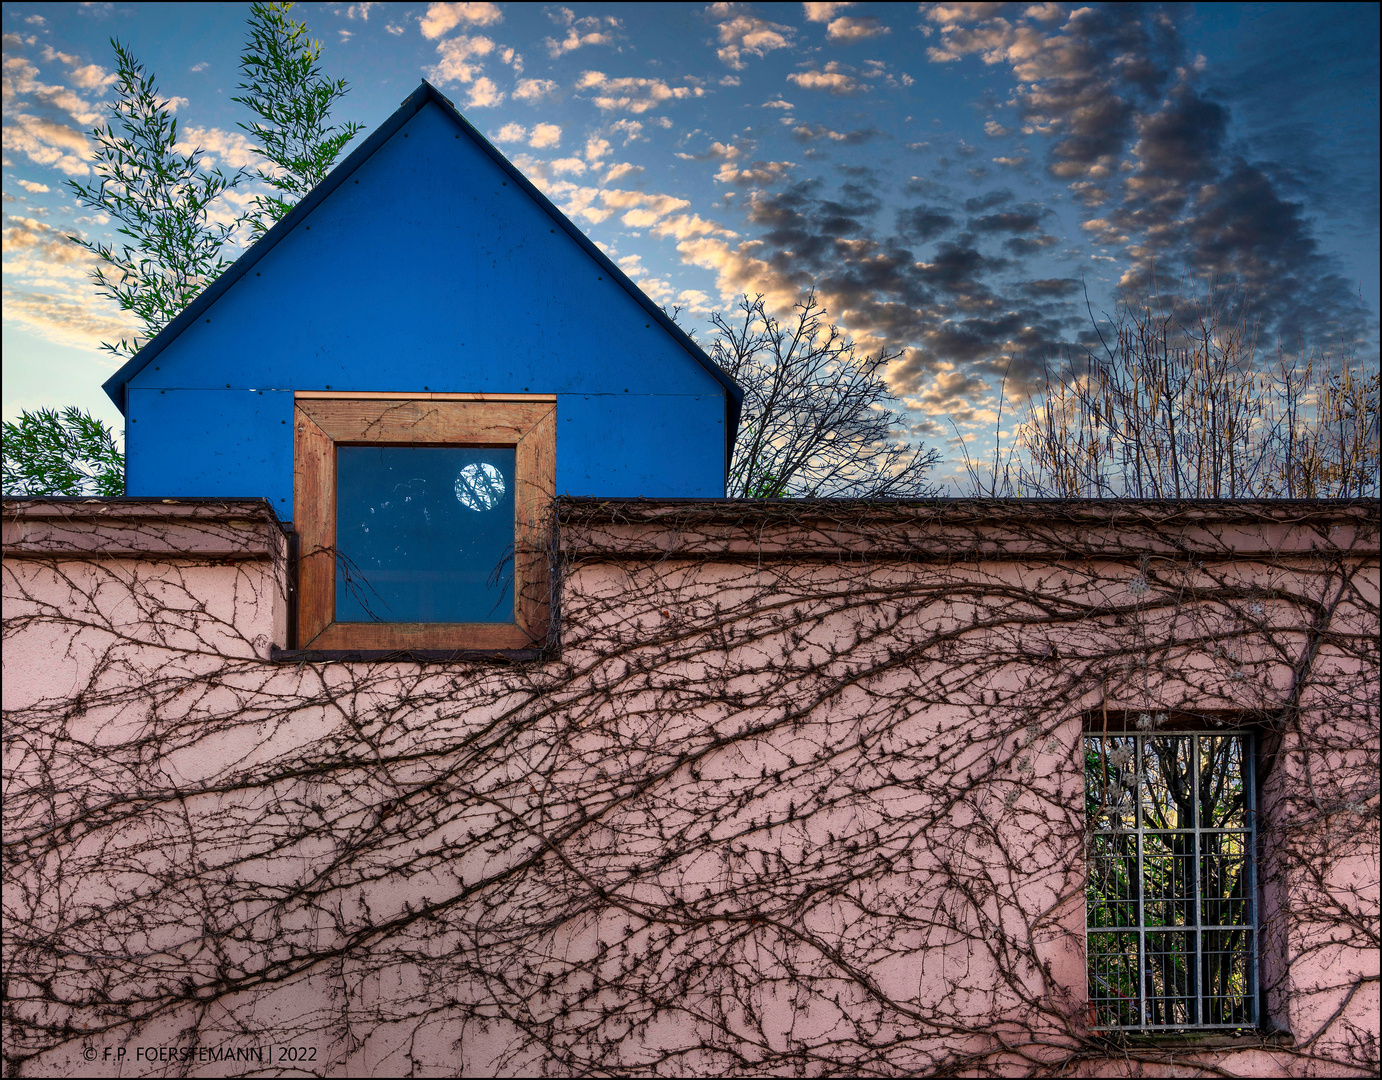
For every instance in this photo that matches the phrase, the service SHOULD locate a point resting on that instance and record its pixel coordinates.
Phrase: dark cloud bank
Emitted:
(1114, 105)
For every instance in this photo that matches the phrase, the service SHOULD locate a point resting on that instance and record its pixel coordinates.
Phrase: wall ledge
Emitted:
(403, 656)
(961, 530)
(206, 530)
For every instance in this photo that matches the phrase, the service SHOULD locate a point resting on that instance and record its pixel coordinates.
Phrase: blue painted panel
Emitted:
(428, 269)
(238, 444)
(227, 443)
(612, 445)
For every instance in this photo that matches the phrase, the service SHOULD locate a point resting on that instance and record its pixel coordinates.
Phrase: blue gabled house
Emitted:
(425, 264)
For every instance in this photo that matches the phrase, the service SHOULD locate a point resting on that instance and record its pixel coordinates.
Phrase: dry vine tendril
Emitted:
(799, 790)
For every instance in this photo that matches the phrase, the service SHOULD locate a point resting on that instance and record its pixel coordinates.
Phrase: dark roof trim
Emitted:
(963, 508)
(116, 384)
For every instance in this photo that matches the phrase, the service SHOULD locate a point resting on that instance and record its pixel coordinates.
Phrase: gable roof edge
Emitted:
(115, 386)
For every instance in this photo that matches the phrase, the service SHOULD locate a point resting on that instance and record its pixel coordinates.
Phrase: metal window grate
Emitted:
(1171, 910)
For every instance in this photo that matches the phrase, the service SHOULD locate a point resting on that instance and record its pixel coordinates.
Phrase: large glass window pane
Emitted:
(424, 534)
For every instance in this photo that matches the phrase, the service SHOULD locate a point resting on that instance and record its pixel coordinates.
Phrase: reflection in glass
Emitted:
(1179, 856)
(424, 534)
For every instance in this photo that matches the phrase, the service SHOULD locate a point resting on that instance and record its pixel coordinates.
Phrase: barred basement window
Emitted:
(1171, 895)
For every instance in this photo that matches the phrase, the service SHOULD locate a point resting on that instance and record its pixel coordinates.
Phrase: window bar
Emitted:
(1250, 991)
(1145, 985)
(1198, 1013)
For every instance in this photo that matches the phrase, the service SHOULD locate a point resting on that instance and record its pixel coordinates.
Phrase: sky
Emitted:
(961, 184)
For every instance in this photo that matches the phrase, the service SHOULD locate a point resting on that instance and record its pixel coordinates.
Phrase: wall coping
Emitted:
(215, 530)
(738, 529)
(964, 529)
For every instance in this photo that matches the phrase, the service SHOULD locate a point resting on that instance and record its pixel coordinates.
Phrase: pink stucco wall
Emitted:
(801, 790)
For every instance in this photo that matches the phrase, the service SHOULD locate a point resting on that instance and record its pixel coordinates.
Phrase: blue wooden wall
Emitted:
(428, 269)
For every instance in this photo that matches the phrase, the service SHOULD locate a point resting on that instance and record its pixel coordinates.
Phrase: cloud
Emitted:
(742, 34)
(360, 11)
(844, 28)
(1116, 95)
(46, 142)
(1103, 231)
(813, 132)
(823, 13)
(1051, 287)
(595, 149)
(923, 223)
(29, 185)
(642, 209)
(33, 246)
(760, 172)
(996, 130)
(221, 147)
(199, 67)
(589, 30)
(926, 288)
(50, 54)
(1026, 219)
(779, 104)
(575, 202)
(717, 151)
(633, 95)
(483, 94)
(20, 80)
(443, 17)
(1028, 245)
(623, 169)
(457, 56)
(534, 90)
(545, 135)
(57, 301)
(80, 322)
(683, 226)
(511, 133)
(833, 78)
(630, 129)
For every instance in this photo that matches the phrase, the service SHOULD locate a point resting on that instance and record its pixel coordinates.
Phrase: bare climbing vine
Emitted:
(797, 789)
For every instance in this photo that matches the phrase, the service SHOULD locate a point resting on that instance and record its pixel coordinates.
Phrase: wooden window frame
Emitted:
(322, 422)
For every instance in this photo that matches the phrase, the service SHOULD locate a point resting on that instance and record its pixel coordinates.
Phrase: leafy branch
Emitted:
(285, 88)
(163, 201)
